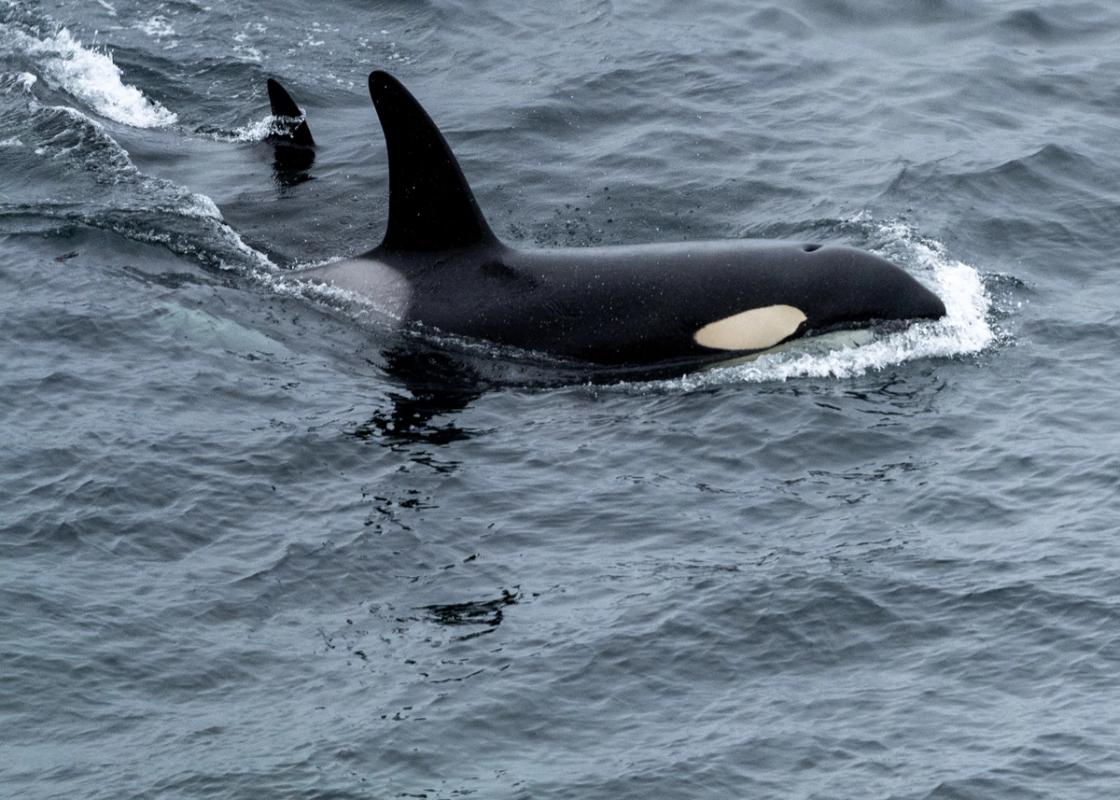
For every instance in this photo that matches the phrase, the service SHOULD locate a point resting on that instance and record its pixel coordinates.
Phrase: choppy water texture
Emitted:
(251, 547)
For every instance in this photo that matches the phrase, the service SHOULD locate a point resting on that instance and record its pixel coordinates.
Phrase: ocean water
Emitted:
(253, 546)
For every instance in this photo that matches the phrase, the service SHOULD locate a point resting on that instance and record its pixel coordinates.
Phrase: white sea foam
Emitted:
(255, 131)
(16, 82)
(257, 264)
(964, 330)
(210, 238)
(158, 27)
(92, 76)
(292, 285)
(244, 47)
(202, 207)
(248, 52)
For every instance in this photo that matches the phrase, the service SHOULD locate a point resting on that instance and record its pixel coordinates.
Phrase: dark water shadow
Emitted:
(486, 613)
(439, 380)
(434, 387)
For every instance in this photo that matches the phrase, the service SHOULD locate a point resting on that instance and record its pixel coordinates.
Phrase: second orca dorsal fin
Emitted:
(431, 206)
(284, 106)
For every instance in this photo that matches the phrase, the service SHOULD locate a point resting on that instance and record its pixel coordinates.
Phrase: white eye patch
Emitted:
(754, 329)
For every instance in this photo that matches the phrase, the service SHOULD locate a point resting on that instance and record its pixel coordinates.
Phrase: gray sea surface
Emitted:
(253, 546)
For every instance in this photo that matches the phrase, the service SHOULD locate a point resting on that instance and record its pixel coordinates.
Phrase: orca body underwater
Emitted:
(658, 308)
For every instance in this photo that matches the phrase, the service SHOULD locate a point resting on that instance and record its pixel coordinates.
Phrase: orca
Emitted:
(292, 143)
(653, 308)
(290, 122)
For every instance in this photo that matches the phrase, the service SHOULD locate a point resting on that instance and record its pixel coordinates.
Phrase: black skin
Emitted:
(643, 304)
(293, 146)
(612, 307)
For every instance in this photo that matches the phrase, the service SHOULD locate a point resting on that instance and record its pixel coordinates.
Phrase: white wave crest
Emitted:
(200, 206)
(158, 27)
(11, 82)
(91, 76)
(256, 131)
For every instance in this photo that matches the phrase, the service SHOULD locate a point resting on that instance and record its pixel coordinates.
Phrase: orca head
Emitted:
(853, 286)
(814, 289)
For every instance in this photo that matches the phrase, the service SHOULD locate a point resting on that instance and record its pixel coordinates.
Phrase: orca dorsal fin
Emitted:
(431, 206)
(284, 106)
